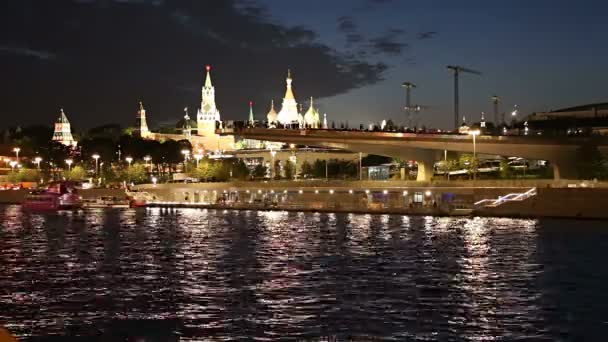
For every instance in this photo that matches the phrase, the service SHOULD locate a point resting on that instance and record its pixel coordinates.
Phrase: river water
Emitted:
(211, 275)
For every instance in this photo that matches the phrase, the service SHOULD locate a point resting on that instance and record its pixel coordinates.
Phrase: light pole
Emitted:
(186, 154)
(198, 157)
(129, 160)
(147, 159)
(272, 154)
(69, 162)
(37, 160)
(474, 133)
(360, 166)
(295, 161)
(16, 150)
(96, 157)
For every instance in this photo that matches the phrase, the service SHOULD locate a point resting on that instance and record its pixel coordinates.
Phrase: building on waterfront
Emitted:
(590, 118)
(288, 114)
(63, 131)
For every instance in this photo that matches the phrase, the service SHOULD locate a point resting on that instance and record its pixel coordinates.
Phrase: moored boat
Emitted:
(57, 196)
(138, 198)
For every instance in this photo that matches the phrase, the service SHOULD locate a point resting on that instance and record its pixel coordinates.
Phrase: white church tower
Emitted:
(208, 114)
(289, 110)
(63, 130)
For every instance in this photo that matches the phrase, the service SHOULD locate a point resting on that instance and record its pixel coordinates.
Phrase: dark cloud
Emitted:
(354, 38)
(346, 24)
(371, 4)
(22, 51)
(426, 35)
(390, 43)
(116, 52)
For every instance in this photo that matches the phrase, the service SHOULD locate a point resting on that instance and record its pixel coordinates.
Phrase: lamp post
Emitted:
(186, 154)
(37, 160)
(272, 154)
(16, 150)
(96, 157)
(474, 133)
(129, 160)
(69, 162)
(295, 161)
(198, 157)
(360, 166)
(147, 159)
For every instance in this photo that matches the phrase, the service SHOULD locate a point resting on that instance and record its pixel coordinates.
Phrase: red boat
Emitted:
(57, 196)
(138, 199)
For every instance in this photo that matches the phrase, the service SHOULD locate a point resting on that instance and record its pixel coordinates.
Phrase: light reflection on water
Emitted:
(274, 275)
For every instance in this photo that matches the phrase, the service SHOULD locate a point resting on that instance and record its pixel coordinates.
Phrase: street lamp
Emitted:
(69, 162)
(16, 150)
(147, 159)
(96, 157)
(186, 154)
(37, 160)
(198, 157)
(272, 154)
(474, 133)
(129, 160)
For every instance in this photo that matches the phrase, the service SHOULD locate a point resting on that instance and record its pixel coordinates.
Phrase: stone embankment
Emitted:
(559, 200)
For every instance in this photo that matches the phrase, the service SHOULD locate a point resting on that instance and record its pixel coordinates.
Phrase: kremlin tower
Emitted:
(141, 123)
(208, 114)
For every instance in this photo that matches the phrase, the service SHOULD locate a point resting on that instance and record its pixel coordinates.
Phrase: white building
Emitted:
(63, 131)
(289, 109)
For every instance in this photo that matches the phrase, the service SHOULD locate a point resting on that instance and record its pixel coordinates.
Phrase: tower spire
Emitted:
(288, 91)
(251, 112)
(208, 78)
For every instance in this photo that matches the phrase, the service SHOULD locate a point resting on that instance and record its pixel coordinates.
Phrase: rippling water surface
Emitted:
(169, 275)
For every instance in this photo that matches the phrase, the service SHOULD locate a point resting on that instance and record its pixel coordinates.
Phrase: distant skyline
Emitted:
(98, 58)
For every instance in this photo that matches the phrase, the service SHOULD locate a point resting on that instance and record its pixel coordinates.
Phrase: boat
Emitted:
(57, 196)
(107, 202)
(138, 198)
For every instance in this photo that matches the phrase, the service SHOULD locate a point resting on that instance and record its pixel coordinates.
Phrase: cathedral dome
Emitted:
(272, 115)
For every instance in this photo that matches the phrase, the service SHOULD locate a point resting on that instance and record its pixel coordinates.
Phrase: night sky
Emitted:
(98, 58)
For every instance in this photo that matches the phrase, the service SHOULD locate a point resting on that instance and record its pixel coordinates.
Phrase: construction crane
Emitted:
(457, 70)
(409, 107)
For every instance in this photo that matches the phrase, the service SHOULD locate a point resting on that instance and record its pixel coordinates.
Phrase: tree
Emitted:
(77, 173)
(136, 173)
(506, 171)
(240, 170)
(306, 170)
(466, 162)
(318, 168)
(591, 164)
(289, 169)
(260, 171)
(23, 175)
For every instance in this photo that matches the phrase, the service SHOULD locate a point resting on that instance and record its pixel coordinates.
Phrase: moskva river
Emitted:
(207, 275)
